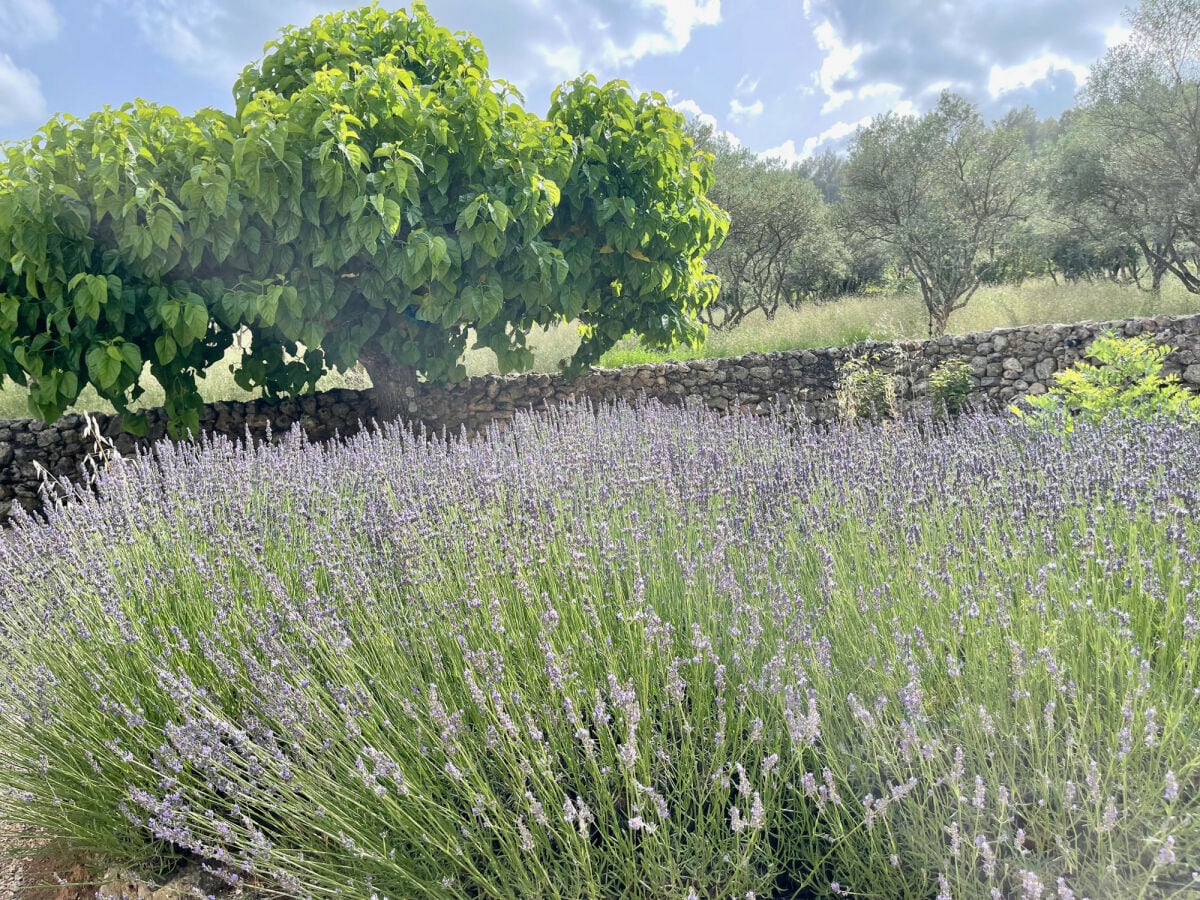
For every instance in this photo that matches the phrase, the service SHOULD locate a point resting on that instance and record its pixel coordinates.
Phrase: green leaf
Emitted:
(161, 226)
(97, 286)
(391, 217)
(170, 312)
(103, 370)
(439, 256)
(268, 307)
(10, 309)
(500, 214)
(291, 300)
(469, 215)
(165, 348)
(195, 317)
(132, 356)
(135, 423)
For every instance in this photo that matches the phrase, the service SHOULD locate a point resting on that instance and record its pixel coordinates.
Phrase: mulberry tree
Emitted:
(375, 197)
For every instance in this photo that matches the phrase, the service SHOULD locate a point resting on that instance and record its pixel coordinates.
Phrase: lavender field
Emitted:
(643, 653)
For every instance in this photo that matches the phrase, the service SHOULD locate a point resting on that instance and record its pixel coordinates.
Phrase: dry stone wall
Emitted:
(63, 447)
(1006, 363)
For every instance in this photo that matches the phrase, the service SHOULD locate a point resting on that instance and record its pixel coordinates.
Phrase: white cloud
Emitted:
(785, 153)
(917, 43)
(21, 100)
(25, 22)
(1115, 35)
(741, 112)
(937, 87)
(879, 89)
(835, 132)
(839, 61)
(564, 62)
(684, 15)
(1002, 79)
(680, 18)
(746, 85)
(691, 109)
(214, 39)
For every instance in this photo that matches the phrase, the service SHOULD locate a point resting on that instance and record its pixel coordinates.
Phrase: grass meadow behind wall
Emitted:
(838, 323)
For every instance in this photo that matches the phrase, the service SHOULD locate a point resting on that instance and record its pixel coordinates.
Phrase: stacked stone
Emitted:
(1006, 364)
(63, 447)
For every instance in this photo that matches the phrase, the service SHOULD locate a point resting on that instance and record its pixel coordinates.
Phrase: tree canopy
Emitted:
(944, 191)
(1130, 165)
(376, 196)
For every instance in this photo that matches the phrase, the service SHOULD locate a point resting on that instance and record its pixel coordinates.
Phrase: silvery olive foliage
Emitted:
(1129, 166)
(375, 197)
(943, 192)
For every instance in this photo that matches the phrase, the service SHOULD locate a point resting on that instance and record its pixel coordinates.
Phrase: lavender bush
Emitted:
(624, 653)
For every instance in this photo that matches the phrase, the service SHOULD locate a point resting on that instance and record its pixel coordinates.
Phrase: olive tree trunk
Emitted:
(395, 385)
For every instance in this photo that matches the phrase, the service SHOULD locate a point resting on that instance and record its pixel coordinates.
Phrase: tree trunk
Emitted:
(395, 385)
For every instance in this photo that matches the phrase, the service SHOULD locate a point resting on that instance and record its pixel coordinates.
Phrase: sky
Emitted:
(786, 78)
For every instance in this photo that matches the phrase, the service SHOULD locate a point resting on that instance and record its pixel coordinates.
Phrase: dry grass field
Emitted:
(878, 317)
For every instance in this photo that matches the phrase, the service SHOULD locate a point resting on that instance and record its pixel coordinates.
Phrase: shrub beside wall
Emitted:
(1005, 364)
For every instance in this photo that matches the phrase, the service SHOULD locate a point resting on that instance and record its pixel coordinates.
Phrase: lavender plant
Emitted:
(624, 653)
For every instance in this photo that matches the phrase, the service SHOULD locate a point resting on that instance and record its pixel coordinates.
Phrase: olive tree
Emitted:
(376, 197)
(1128, 170)
(781, 247)
(943, 191)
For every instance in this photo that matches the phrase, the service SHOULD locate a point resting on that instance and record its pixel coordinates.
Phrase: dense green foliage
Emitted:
(111, 230)
(950, 383)
(376, 196)
(1127, 379)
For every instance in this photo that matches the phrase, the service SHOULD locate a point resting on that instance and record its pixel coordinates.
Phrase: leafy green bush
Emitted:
(376, 198)
(950, 384)
(1128, 379)
(865, 392)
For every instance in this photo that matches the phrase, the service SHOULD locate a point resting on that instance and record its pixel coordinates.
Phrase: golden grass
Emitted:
(887, 317)
(217, 384)
(878, 317)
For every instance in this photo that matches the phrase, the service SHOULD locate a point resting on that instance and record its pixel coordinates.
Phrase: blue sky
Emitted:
(785, 77)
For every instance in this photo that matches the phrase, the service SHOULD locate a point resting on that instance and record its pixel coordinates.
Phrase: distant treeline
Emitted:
(946, 202)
